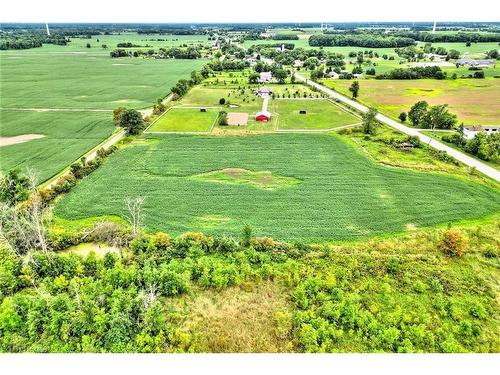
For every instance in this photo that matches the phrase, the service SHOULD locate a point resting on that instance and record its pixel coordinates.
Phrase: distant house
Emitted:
(264, 91)
(280, 49)
(471, 131)
(476, 63)
(263, 116)
(298, 64)
(358, 75)
(434, 57)
(265, 77)
(333, 75)
(251, 60)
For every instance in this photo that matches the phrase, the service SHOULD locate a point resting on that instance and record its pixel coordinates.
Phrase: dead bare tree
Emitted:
(23, 227)
(149, 295)
(135, 215)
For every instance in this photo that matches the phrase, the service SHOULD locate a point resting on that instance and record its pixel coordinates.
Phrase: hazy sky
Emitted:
(247, 10)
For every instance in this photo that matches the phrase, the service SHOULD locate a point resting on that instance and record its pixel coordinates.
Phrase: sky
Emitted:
(192, 11)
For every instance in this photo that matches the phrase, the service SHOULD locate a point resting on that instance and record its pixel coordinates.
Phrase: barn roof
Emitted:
(263, 113)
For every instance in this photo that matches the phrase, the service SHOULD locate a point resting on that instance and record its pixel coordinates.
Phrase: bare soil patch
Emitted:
(8, 141)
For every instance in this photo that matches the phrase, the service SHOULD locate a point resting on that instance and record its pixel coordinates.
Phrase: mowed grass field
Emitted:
(474, 101)
(310, 187)
(185, 120)
(320, 114)
(68, 135)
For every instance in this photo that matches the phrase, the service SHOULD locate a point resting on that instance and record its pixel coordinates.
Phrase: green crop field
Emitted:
(341, 194)
(320, 114)
(42, 78)
(68, 135)
(147, 41)
(474, 101)
(74, 80)
(185, 120)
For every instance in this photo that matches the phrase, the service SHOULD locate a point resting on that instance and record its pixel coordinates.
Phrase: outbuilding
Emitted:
(264, 91)
(263, 116)
(471, 131)
(265, 77)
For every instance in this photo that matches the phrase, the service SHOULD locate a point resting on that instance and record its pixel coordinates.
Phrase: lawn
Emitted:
(68, 135)
(474, 101)
(185, 120)
(320, 114)
(337, 191)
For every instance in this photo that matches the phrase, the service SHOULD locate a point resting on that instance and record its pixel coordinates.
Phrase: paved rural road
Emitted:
(460, 156)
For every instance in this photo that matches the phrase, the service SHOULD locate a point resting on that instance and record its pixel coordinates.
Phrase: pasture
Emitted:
(338, 192)
(319, 114)
(474, 101)
(67, 136)
(178, 119)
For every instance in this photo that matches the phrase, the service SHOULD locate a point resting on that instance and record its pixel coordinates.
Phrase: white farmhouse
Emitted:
(265, 77)
(471, 131)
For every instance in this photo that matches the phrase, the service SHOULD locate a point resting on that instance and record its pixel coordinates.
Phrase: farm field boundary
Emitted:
(148, 131)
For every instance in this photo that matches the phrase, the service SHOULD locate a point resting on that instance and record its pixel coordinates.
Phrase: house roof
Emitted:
(475, 62)
(265, 89)
(479, 128)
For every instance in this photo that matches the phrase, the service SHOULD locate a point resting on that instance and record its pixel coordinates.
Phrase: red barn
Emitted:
(263, 116)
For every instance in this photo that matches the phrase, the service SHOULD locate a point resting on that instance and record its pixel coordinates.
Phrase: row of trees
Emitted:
(359, 40)
(417, 72)
(183, 85)
(165, 53)
(30, 41)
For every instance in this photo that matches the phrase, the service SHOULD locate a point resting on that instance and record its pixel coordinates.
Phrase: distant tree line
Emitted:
(172, 53)
(285, 37)
(417, 72)
(450, 38)
(30, 41)
(362, 40)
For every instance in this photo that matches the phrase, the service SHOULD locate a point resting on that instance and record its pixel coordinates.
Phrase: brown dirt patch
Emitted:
(237, 118)
(8, 141)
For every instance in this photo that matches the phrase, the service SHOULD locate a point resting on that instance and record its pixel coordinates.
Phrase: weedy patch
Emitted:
(241, 319)
(238, 176)
(210, 221)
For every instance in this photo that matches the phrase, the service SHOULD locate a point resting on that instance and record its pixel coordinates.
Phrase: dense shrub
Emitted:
(453, 242)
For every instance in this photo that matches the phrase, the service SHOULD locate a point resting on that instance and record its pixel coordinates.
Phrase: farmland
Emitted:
(46, 79)
(67, 136)
(67, 81)
(185, 120)
(321, 230)
(319, 114)
(345, 196)
(473, 101)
